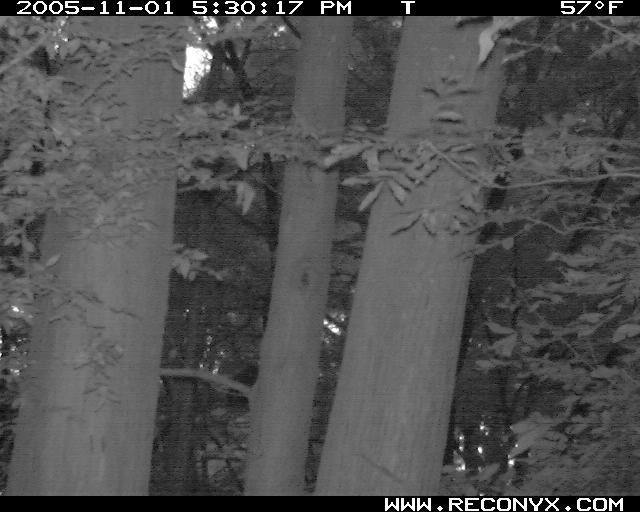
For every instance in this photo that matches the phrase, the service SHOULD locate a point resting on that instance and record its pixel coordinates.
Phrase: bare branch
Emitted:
(23, 54)
(204, 375)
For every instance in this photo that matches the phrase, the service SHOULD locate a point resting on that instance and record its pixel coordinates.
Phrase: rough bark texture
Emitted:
(185, 345)
(81, 433)
(282, 405)
(178, 477)
(389, 420)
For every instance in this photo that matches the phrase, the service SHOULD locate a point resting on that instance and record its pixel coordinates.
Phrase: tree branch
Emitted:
(205, 375)
(25, 53)
(291, 27)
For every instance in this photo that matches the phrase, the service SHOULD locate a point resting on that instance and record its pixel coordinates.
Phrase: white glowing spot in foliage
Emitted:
(332, 327)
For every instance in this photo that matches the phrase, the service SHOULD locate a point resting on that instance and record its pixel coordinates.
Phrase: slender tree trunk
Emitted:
(282, 404)
(187, 338)
(388, 425)
(87, 419)
(179, 464)
(178, 480)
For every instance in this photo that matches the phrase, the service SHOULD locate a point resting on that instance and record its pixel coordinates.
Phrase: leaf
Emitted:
(486, 40)
(528, 439)
(371, 197)
(515, 56)
(577, 276)
(605, 373)
(52, 261)
(73, 46)
(175, 65)
(490, 35)
(102, 47)
(469, 160)
(343, 152)
(507, 243)
(586, 330)
(27, 246)
(499, 329)
(449, 115)
(485, 364)
(430, 221)
(488, 472)
(408, 222)
(355, 181)
(197, 255)
(606, 302)
(244, 196)
(182, 267)
(590, 318)
(370, 157)
(398, 192)
(524, 426)
(626, 331)
(241, 155)
(577, 428)
(403, 180)
(504, 346)
(469, 199)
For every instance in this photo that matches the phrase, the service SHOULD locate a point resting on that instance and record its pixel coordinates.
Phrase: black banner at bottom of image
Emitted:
(508, 504)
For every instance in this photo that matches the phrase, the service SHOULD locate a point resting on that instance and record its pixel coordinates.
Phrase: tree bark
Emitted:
(388, 425)
(87, 418)
(186, 341)
(289, 352)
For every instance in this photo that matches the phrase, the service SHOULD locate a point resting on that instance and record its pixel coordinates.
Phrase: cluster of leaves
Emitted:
(559, 339)
(400, 164)
(570, 338)
(55, 132)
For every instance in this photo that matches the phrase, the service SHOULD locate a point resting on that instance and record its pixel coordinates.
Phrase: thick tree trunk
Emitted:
(87, 419)
(388, 425)
(282, 404)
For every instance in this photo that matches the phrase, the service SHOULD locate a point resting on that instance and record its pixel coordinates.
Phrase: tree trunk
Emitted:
(388, 425)
(178, 473)
(282, 404)
(178, 458)
(186, 341)
(87, 419)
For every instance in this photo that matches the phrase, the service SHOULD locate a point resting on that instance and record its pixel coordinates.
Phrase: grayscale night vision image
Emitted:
(333, 255)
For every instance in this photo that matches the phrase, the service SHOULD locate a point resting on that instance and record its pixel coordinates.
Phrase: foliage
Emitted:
(566, 343)
(564, 336)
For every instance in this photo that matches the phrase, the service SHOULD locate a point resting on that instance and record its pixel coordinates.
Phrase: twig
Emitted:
(465, 172)
(568, 180)
(609, 28)
(291, 27)
(23, 54)
(207, 376)
(565, 230)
